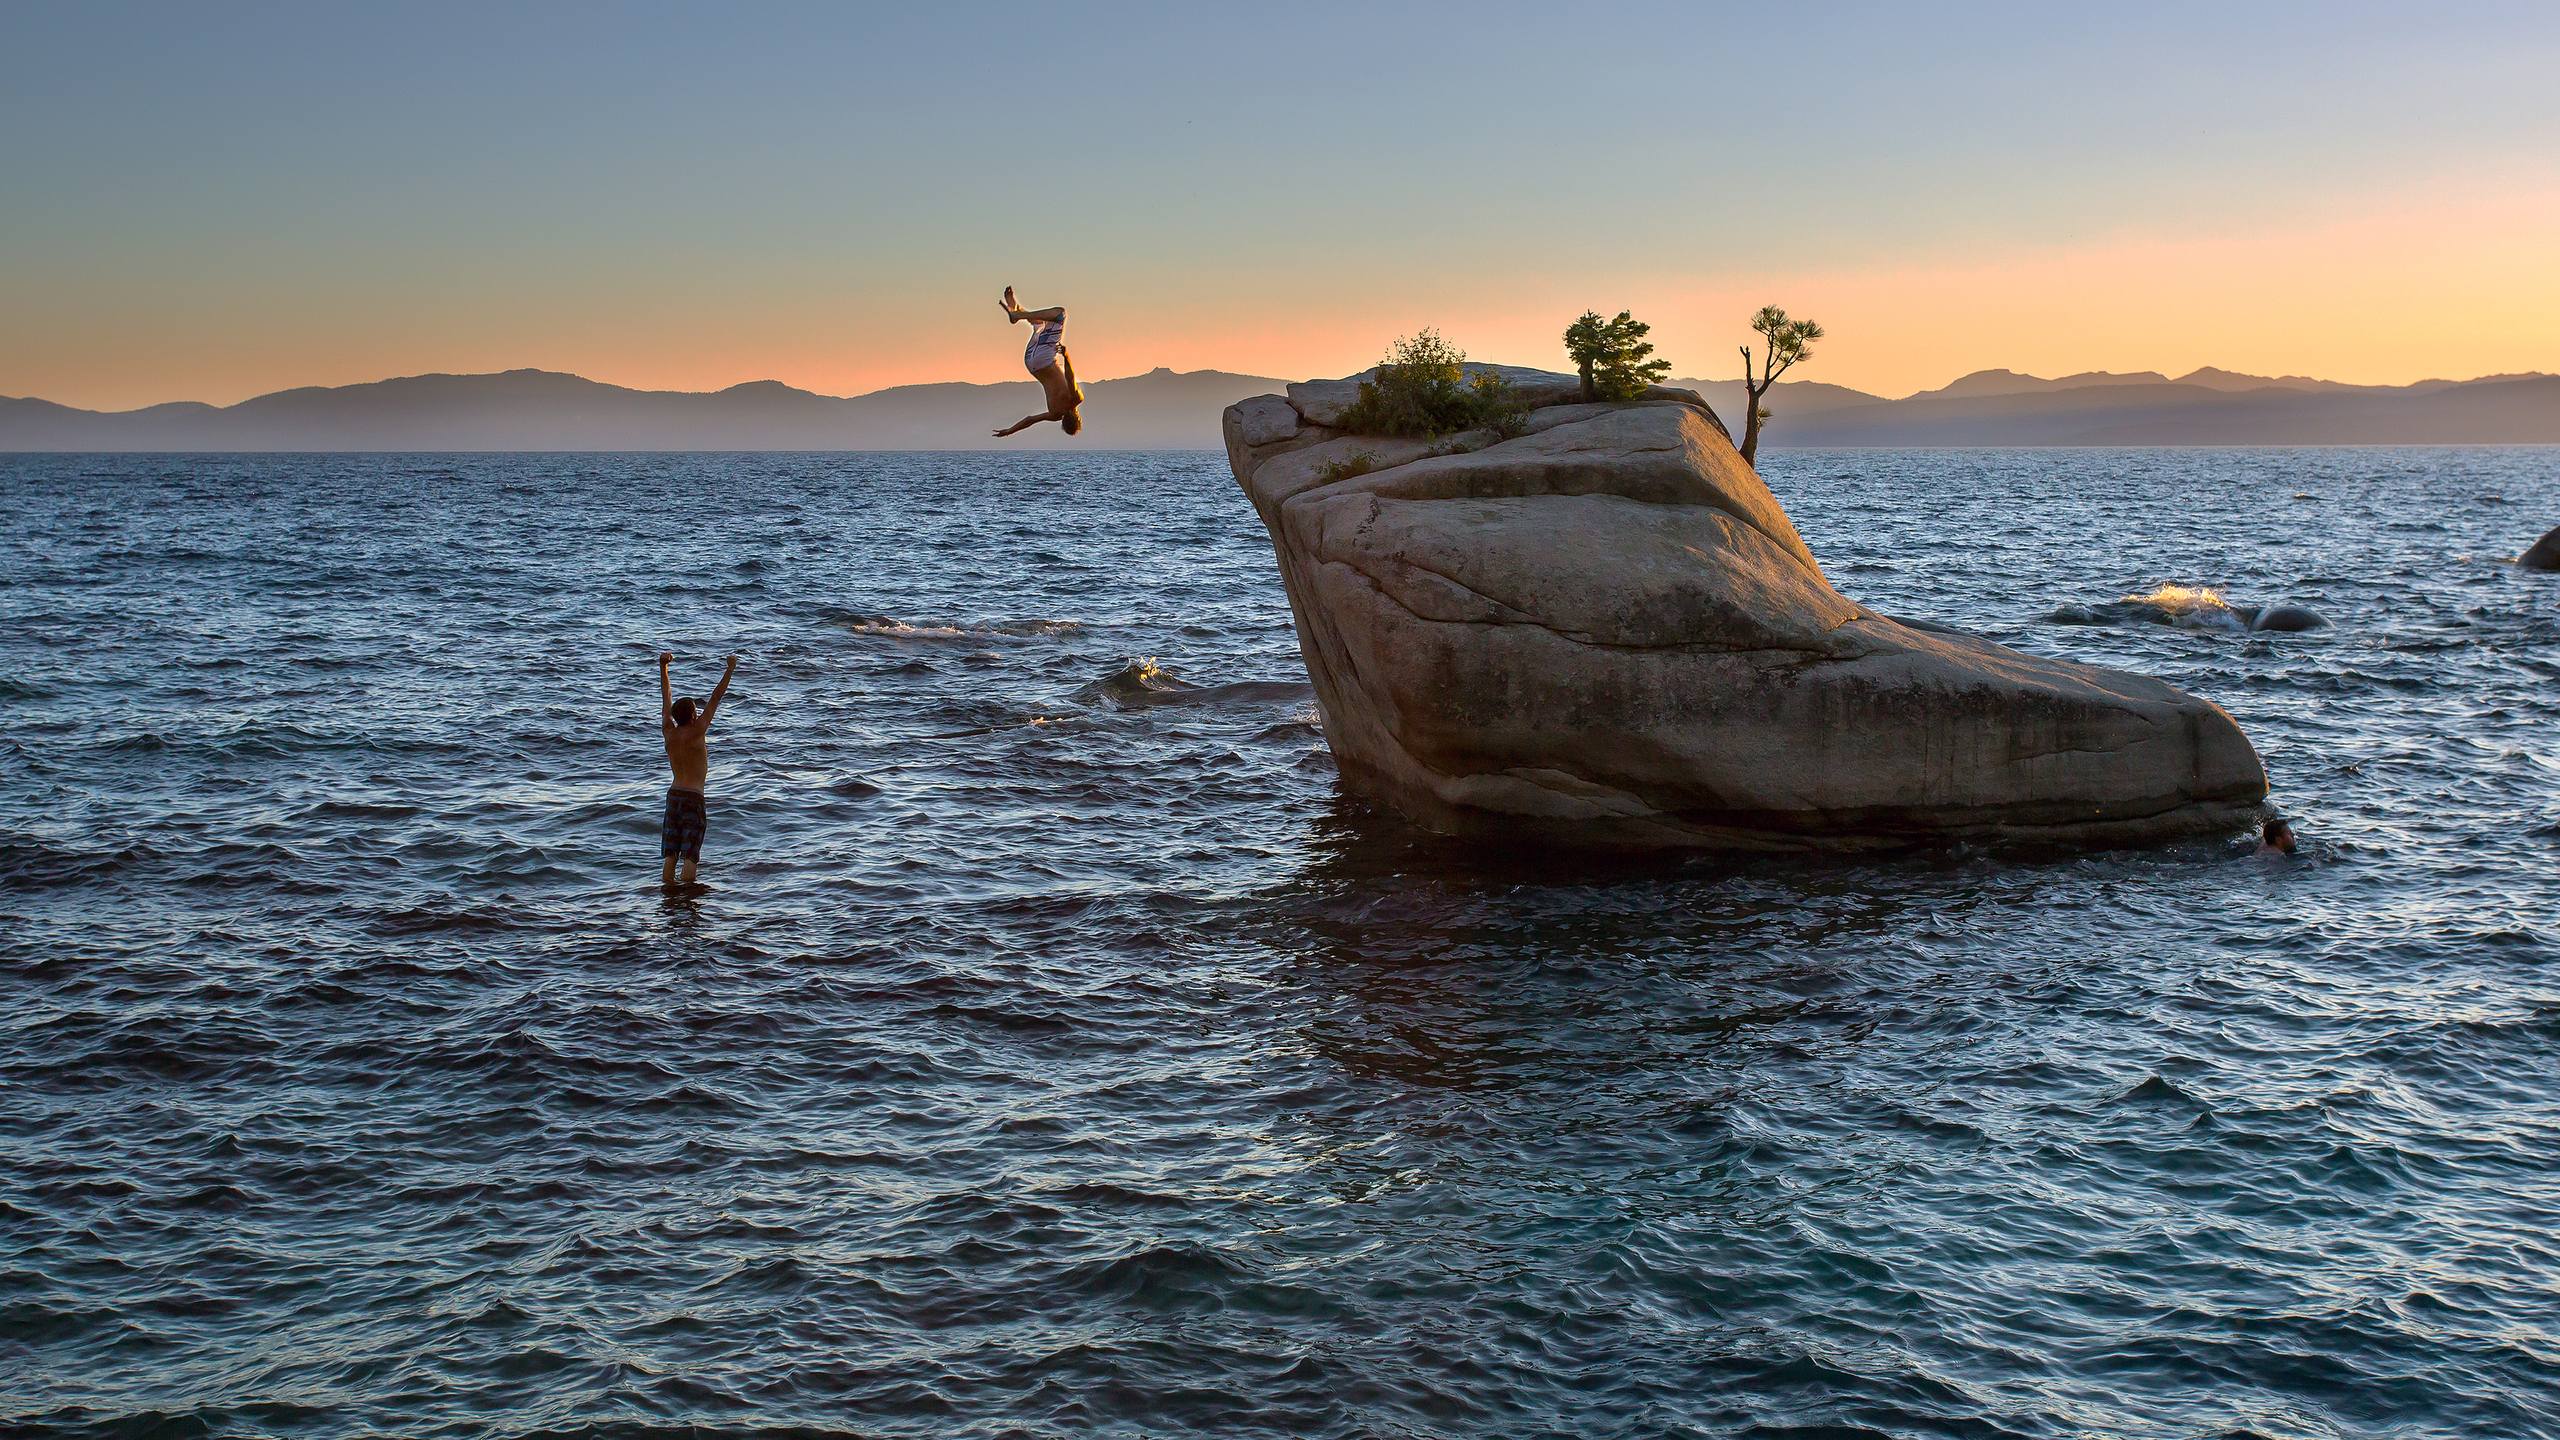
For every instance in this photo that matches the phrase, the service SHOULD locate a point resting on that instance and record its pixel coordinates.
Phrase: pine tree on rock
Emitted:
(1613, 356)
(1788, 341)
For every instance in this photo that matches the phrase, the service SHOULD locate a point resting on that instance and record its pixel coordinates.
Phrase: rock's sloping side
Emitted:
(2545, 554)
(1607, 632)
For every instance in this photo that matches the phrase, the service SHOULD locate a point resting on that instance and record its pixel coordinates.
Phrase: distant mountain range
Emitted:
(545, 410)
(1165, 410)
(2207, 407)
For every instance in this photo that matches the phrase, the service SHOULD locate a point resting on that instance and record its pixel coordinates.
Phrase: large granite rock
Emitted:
(1607, 632)
(2545, 554)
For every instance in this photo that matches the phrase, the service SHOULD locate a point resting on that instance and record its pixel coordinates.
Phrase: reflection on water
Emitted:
(1056, 1050)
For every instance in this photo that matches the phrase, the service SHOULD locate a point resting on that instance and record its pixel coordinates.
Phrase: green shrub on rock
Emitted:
(1422, 390)
(1360, 463)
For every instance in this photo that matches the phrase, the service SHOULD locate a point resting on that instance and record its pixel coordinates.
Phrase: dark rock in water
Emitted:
(2287, 618)
(1607, 632)
(2545, 554)
(1140, 682)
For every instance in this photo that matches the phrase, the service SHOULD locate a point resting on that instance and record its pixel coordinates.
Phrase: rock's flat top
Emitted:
(1607, 631)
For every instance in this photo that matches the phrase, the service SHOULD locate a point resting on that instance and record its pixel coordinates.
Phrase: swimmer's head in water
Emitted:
(684, 709)
(1071, 422)
(2279, 835)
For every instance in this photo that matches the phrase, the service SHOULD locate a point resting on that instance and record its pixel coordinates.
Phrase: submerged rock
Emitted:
(2286, 618)
(2545, 554)
(1607, 632)
(2190, 607)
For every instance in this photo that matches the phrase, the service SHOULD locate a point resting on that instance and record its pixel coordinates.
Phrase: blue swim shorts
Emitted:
(680, 834)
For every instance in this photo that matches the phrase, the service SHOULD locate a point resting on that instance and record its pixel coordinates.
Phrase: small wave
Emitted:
(25, 863)
(1295, 729)
(2189, 607)
(1013, 1021)
(2198, 607)
(141, 741)
(1144, 683)
(902, 630)
(1140, 682)
(893, 628)
(1170, 1273)
(2156, 1087)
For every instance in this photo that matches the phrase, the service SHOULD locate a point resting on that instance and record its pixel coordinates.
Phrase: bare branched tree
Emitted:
(1786, 342)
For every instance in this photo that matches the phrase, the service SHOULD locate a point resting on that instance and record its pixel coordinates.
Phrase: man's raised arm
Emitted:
(711, 706)
(666, 690)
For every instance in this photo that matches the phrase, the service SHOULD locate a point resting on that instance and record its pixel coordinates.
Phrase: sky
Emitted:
(211, 202)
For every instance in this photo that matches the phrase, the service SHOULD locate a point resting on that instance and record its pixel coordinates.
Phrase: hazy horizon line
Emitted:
(769, 380)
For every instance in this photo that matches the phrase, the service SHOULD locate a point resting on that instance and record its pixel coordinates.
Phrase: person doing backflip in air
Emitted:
(1046, 358)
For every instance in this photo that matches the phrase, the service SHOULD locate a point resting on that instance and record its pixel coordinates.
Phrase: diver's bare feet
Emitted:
(1011, 310)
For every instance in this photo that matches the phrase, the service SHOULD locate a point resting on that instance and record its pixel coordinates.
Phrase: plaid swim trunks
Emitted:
(681, 832)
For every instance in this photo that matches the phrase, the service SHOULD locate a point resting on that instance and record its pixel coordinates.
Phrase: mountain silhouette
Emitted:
(547, 410)
(2205, 407)
(1166, 410)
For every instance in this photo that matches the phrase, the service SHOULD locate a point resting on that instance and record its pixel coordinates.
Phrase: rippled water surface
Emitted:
(1057, 1053)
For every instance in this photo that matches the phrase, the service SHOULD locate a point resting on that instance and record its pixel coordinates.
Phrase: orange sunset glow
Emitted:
(2250, 211)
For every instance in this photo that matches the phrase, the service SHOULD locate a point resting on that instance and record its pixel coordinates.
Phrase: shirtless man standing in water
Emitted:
(680, 834)
(1046, 358)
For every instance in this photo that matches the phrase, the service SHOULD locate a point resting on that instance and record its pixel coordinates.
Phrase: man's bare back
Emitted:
(689, 751)
(687, 734)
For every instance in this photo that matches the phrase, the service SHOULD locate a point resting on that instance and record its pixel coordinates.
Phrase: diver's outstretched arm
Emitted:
(1017, 314)
(1026, 422)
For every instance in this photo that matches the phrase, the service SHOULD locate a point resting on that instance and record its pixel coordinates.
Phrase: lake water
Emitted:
(1056, 1052)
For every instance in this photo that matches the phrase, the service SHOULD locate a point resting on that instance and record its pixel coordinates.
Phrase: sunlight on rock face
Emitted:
(1601, 629)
